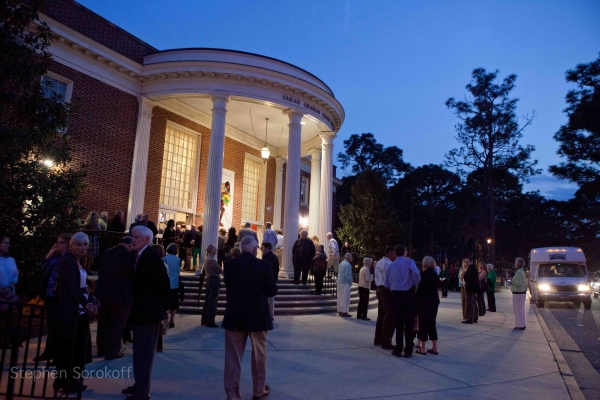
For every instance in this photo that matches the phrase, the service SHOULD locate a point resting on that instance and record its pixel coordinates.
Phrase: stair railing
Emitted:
(330, 282)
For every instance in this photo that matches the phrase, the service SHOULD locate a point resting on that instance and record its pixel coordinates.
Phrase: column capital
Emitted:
(294, 115)
(219, 101)
(315, 154)
(146, 106)
(327, 137)
(279, 163)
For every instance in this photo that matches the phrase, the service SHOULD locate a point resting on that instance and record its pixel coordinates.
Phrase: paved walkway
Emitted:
(329, 357)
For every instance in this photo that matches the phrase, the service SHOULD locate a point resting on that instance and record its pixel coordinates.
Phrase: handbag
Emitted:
(181, 290)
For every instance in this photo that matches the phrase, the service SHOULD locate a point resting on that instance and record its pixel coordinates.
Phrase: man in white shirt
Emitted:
(278, 252)
(344, 283)
(384, 328)
(270, 235)
(333, 253)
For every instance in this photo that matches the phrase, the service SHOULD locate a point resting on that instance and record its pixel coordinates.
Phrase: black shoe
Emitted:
(407, 355)
(43, 357)
(376, 343)
(129, 390)
(475, 321)
(397, 353)
(172, 325)
(265, 394)
(212, 325)
(466, 322)
(366, 319)
(387, 346)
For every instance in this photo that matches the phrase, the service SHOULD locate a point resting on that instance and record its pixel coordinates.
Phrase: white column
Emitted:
(326, 185)
(139, 169)
(278, 192)
(292, 192)
(314, 205)
(212, 196)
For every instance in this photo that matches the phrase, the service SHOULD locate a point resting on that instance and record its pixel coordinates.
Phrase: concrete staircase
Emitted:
(290, 300)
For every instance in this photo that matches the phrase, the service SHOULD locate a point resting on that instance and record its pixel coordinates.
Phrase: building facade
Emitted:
(206, 136)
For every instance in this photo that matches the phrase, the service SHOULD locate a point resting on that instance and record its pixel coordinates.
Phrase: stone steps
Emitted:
(291, 299)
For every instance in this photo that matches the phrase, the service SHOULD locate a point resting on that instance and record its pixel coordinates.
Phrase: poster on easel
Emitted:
(226, 216)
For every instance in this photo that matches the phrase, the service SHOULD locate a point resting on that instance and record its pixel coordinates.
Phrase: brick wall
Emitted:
(102, 135)
(233, 160)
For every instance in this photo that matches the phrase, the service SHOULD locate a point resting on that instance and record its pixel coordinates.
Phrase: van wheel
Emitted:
(587, 306)
(540, 303)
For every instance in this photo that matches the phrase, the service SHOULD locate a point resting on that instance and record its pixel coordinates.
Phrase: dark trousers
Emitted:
(405, 312)
(491, 301)
(445, 288)
(427, 329)
(481, 303)
(52, 340)
(74, 351)
(385, 326)
(209, 311)
(363, 302)
(144, 347)
(319, 276)
(111, 322)
(301, 268)
(472, 311)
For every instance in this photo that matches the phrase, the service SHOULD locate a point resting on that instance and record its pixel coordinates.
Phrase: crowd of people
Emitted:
(139, 290)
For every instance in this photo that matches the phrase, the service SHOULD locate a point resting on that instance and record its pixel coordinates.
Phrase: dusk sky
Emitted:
(393, 64)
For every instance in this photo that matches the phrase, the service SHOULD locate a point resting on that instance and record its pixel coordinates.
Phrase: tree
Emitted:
(38, 182)
(363, 153)
(579, 138)
(489, 134)
(369, 222)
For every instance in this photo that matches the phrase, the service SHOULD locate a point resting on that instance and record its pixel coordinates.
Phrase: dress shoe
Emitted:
(129, 390)
(43, 357)
(376, 343)
(171, 325)
(265, 394)
(407, 355)
(120, 355)
(366, 319)
(345, 315)
(466, 322)
(397, 353)
(212, 325)
(387, 347)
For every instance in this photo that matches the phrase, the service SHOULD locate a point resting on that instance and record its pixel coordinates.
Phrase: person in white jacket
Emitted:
(344, 283)
(364, 285)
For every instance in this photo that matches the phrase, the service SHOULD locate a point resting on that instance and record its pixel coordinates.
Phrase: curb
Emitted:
(566, 373)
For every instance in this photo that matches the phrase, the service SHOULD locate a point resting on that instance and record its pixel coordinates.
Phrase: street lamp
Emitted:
(264, 152)
(489, 241)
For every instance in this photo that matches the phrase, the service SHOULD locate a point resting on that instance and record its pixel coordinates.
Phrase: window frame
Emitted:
(192, 210)
(307, 194)
(261, 191)
(62, 79)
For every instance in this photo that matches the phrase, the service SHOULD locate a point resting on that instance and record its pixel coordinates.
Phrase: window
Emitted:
(180, 158)
(304, 190)
(55, 85)
(253, 191)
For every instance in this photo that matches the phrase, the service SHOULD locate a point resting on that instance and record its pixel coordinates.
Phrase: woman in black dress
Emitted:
(428, 301)
(169, 234)
(75, 305)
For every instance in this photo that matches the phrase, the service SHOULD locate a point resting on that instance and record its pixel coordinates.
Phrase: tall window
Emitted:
(53, 87)
(253, 191)
(177, 185)
(304, 191)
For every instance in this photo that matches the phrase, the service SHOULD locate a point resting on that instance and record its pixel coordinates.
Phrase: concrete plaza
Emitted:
(329, 357)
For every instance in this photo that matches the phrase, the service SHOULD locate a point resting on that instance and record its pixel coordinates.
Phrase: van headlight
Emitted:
(583, 288)
(544, 287)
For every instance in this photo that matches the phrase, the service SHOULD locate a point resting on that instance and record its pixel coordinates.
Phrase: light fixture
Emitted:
(48, 163)
(302, 123)
(265, 152)
(489, 241)
(303, 221)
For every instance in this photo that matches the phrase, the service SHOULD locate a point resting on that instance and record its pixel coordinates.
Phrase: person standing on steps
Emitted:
(344, 284)
(303, 254)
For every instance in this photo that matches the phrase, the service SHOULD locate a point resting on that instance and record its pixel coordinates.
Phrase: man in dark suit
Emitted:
(271, 258)
(303, 254)
(148, 310)
(247, 231)
(114, 290)
(248, 283)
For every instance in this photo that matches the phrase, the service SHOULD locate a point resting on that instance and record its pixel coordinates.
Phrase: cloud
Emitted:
(551, 187)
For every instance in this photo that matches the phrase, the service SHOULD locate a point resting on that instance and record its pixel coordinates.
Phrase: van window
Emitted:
(561, 270)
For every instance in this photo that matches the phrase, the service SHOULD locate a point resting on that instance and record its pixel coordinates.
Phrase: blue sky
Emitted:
(393, 64)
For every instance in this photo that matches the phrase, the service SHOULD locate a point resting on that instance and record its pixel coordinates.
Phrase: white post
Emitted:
(139, 170)
(292, 192)
(212, 197)
(278, 192)
(314, 205)
(326, 185)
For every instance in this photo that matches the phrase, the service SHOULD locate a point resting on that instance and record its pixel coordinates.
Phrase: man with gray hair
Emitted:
(150, 302)
(344, 283)
(249, 282)
(333, 252)
(247, 231)
(303, 254)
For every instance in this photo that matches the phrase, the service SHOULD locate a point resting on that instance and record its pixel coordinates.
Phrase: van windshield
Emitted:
(561, 270)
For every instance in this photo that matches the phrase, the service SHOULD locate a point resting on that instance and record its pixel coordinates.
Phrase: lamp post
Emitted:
(264, 152)
(489, 242)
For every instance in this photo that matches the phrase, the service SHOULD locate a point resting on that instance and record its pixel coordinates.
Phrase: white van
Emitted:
(559, 274)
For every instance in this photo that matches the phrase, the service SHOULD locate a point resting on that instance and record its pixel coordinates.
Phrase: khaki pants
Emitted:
(343, 298)
(333, 261)
(235, 344)
(279, 253)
